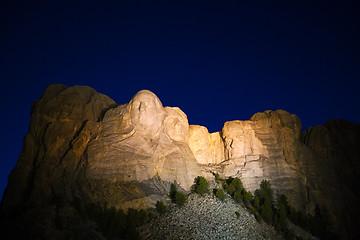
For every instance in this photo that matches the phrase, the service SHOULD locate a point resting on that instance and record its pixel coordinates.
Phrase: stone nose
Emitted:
(142, 107)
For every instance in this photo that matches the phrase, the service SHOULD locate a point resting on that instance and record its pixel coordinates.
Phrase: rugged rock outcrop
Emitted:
(265, 147)
(51, 164)
(319, 166)
(62, 123)
(336, 145)
(82, 147)
(139, 141)
(261, 149)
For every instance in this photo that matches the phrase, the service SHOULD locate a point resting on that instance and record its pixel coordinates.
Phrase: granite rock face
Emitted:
(62, 123)
(208, 148)
(142, 140)
(337, 170)
(82, 146)
(51, 164)
(265, 147)
(319, 166)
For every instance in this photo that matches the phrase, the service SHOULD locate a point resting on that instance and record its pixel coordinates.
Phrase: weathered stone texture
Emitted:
(141, 140)
(62, 123)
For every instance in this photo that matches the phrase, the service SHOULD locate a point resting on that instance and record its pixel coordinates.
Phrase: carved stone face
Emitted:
(176, 124)
(147, 112)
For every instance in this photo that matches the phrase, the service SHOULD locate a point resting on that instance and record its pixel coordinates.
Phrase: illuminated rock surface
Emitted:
(82, 146)
(208, 148)
(141, 140)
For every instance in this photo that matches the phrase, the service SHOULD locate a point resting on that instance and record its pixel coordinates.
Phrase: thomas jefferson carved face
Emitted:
(147, 112)
(176, 124)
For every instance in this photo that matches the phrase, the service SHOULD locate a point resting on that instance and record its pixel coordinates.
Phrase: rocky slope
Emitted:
(206, 217)
(83, 147)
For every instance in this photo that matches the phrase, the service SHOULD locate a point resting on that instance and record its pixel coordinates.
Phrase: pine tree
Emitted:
(220, 194)
(264, 201)
(173, 191)
(180, 198)
(160, 207)
(201, 186)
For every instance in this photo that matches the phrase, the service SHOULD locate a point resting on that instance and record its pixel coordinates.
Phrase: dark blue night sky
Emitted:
(216, 60)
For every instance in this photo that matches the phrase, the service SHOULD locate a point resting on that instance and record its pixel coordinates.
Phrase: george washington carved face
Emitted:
(147, 112)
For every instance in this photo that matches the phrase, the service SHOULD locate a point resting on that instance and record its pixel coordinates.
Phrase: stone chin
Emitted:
(146, 112)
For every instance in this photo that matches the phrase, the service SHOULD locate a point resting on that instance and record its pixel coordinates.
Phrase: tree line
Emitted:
(274, 210)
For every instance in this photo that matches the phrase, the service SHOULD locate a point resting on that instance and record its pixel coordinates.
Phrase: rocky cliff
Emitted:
(83, 147)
